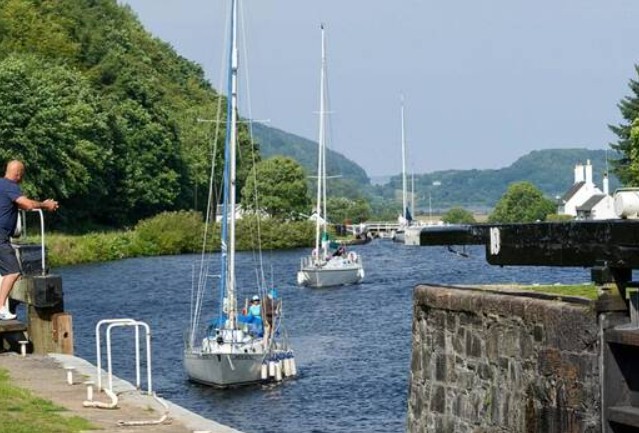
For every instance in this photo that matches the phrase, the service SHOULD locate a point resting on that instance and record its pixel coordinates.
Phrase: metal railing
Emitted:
(112, 323)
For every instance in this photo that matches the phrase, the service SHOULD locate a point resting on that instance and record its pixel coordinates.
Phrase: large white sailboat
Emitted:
(234, 349)
(324, 268)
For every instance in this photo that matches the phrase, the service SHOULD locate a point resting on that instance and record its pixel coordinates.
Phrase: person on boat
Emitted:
(341, 251)
(272, 307)
(253, 317)
(255, 309)
(11, 200)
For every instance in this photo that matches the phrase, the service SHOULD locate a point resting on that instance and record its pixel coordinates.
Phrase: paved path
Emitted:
(46, 377)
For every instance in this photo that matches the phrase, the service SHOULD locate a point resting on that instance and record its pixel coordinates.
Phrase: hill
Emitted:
(273, 141)
(551, 170)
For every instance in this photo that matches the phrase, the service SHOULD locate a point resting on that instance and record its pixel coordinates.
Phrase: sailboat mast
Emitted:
(321, 166)
(404, 198)
(412, 194)
(231, 155)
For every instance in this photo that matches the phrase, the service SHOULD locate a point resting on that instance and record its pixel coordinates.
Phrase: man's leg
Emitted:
(5, 288)
(10, 271)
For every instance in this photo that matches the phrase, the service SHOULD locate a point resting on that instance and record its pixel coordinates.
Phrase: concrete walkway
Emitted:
(46, 377)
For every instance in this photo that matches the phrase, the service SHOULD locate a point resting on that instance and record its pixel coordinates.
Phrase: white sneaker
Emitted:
(6, 314)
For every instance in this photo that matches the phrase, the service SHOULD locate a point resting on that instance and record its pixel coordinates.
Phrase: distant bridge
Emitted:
(376, 229)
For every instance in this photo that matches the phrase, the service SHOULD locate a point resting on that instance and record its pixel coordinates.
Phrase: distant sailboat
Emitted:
(323, 268)
(405, 218)
(235, 349)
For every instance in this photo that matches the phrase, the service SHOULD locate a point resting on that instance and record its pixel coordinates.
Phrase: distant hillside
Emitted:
(273, 141)
(552, 171)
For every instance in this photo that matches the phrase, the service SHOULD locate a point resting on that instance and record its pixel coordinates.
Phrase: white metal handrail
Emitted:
(112, 323)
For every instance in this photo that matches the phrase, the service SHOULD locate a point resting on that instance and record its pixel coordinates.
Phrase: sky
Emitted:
(483, 83)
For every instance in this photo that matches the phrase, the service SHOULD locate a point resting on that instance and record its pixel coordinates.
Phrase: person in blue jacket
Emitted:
(255, 309)
(254, 316)
(11, 200)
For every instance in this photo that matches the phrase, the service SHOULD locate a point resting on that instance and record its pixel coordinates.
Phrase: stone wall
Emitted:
(484, 361)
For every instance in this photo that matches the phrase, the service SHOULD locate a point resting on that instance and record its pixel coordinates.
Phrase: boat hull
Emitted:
(325, 277)
(223, 370)
(399, 236)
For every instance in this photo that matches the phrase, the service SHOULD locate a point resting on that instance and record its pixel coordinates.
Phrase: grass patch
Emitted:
(588, 291)
(21, 412)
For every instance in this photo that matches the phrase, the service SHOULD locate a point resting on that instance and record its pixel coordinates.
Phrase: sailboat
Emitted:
(324, 268)
(234, 349)
(405, 218)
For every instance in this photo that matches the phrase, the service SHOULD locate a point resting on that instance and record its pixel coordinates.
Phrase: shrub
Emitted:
(170, 233)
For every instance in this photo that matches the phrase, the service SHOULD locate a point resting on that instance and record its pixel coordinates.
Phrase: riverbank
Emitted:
(46, 377)
(170, 233)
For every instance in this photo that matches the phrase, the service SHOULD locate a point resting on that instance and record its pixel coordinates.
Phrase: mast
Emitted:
(404, 194)
(228, 208)
(412, 194)
(321, 154)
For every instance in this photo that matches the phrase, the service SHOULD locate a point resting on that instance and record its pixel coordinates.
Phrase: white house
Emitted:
(584, 200)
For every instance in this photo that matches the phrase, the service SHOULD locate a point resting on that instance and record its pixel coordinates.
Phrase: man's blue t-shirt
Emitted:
(9, 193)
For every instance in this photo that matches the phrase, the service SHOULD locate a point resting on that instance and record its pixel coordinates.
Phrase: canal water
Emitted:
(352, 344)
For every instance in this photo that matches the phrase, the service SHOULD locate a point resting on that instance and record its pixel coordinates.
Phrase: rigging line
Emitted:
(212, 186)
(252, 145)
(202, 278)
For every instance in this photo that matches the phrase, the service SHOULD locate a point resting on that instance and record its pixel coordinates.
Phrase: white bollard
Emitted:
(69, 374)
(89, 384)
(23, 347)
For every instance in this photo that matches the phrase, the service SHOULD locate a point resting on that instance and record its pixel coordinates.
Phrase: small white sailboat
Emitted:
(323, 268)
(235, 349)
(405, 218)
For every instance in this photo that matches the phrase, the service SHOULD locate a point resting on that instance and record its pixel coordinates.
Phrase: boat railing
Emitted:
(312, 260)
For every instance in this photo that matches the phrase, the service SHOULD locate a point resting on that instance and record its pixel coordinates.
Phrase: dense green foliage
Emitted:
(626, 166)
(103, 114)
(458, 215)
(342, 210)
(522, 203)
(277, 187)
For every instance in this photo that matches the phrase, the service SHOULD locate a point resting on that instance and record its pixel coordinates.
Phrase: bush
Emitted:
(458, 215)
(169, 233)
(173, 233)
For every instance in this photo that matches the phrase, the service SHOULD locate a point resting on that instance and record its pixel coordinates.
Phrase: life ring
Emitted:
(352, 256)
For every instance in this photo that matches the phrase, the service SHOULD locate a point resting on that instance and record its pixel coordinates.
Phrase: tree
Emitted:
(278, 187)
(50, 118)
(458, 215)
(627, 167)
(522, 203)
(342, 209)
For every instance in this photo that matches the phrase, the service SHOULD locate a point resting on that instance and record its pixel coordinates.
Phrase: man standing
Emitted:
(11, 200)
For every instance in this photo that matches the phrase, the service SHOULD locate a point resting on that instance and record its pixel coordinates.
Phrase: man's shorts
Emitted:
(8, 260)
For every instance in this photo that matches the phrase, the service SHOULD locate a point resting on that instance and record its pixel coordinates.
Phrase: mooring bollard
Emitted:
(23, 347)
(69, 370)
(89, 384)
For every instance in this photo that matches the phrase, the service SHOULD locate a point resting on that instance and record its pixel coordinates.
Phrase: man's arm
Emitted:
(25, 203)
